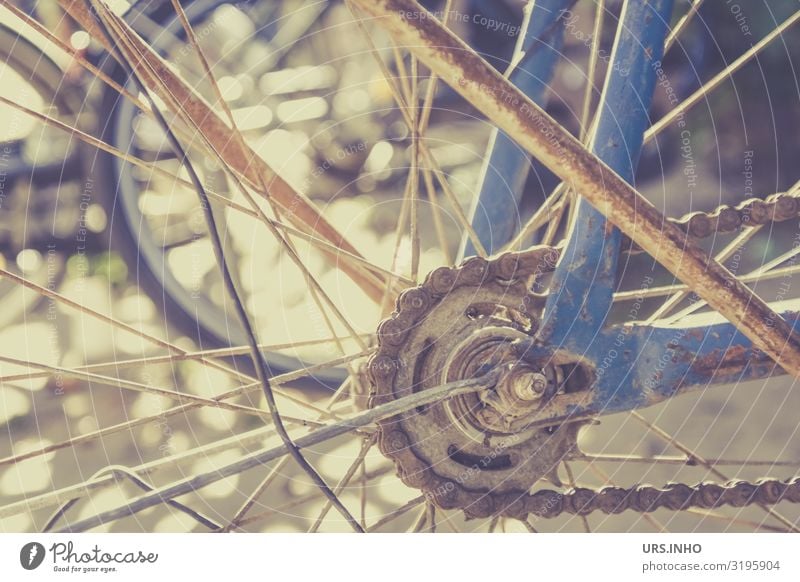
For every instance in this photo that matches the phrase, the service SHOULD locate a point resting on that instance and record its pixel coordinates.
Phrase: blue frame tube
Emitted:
(494, 215)
(584, 281)
(636, 366)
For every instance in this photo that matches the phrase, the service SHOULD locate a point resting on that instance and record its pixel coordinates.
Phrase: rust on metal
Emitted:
(415, 29)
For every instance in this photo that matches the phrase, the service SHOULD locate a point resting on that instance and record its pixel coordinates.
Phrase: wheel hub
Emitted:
(508, 407)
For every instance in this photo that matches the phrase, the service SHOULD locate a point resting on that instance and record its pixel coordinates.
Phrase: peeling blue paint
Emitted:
(585, 279)
(652, 364)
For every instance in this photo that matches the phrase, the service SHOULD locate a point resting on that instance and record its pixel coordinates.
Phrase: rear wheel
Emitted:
(446, 330)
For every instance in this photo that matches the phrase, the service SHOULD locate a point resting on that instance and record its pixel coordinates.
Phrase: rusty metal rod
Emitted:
(252, 168)
(320, 435)
(417, 30)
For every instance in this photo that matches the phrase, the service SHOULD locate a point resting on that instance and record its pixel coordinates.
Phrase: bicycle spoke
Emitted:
(284, 508)
(50, 294)
(60, 496)
(275, 471)
(414, 171)
(666, 437)
(687, 461)
(131, 385)
(549, 209)
(362, 494)
(681, 25)
(704, 514)
(722, 256)
(399, 512)
(76, 55)
(433, 166)
(344, 481)
(181, 353)
(356, 261)
(386, 303)
(433, 79)
(736, 244)
(177, 106)
(591, 71)
(703, 92)
(436, 212)
(447, 519)
(422, 519)
(424, 118)
(402, 72)
(755, 275)
(239, 517)
(141, 484)
(214, 353)
(318, 294)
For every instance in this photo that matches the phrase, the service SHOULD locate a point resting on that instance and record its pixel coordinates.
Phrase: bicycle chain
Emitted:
(511, 268)
(726, 218)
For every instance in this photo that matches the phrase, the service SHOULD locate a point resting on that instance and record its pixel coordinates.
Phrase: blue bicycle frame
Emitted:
(631, 365)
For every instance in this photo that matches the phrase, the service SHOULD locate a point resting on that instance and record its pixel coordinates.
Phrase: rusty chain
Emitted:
(646, 498)
(513, 267)
(726, 218)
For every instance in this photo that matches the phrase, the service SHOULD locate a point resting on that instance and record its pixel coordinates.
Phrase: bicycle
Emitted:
(487, 377)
